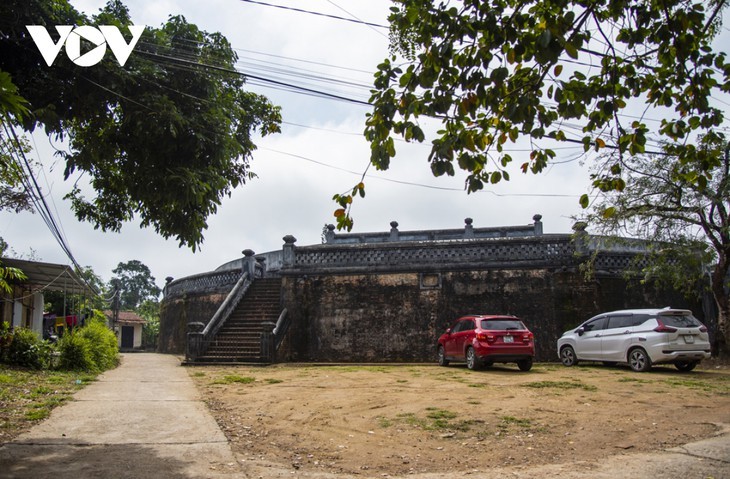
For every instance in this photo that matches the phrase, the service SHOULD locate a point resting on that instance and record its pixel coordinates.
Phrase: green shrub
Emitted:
(75, 353)
(6, 336)
(28, 350)
(102, 344)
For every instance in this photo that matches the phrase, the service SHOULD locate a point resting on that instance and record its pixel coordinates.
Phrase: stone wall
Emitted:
(177, 311)
(378, 300)
(398, 317)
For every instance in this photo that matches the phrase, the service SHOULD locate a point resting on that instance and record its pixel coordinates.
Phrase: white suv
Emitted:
(639, 337)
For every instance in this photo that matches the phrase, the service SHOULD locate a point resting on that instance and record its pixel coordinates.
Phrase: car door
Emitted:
(588, 342)
(616, 337)
(450, 341)
(459, 334)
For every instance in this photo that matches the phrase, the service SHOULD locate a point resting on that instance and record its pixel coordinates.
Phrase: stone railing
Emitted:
(199, 338)
(220, 280)
(466, 233)
(202, 283)
(542, 251)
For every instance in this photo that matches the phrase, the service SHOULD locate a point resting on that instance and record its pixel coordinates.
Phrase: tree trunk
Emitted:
(720, 346)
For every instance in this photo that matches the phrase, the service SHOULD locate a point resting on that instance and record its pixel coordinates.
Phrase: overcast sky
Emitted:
(319, 152)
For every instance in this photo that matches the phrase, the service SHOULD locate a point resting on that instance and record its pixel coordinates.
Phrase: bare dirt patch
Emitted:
(374, 421)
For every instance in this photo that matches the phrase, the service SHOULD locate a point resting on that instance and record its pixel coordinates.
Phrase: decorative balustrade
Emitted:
(202, 283)
(466, 233)
(545, 250)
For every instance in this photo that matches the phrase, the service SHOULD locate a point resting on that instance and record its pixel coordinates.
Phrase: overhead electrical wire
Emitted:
(33, 189)
(411, 183)
(335, 17)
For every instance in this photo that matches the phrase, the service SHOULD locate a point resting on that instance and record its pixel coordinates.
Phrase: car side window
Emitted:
(624, 321)
(639, 319)
(595, 325)
(468, 325)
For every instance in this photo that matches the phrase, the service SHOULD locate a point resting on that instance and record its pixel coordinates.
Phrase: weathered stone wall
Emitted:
(376, 301)
(176, 312)
(398, 317)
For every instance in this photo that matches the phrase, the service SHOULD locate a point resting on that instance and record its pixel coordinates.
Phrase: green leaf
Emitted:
(609, 212)
(584, 201)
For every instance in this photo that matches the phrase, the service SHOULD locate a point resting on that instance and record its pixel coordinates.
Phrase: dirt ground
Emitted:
(380, 420)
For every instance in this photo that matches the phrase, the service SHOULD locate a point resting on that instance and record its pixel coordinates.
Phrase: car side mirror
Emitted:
(580, 331)
(448, 330)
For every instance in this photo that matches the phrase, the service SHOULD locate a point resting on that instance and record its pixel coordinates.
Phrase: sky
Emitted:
(320, 152)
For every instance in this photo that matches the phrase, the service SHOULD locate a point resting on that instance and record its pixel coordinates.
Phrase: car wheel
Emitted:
(685, 366)
(567, 356)
(471, 359)
(442, 357)
(639, 361)
(525, 364)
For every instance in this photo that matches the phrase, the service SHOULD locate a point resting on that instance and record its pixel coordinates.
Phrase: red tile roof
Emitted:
(128, 317)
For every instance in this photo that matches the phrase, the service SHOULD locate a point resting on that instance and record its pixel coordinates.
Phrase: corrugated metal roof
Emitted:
(49, 276)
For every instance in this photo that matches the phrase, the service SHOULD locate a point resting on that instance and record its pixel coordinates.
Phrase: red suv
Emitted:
(482, 340)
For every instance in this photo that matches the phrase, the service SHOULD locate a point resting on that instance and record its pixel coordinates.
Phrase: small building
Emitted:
(128, 328)
(23, 306)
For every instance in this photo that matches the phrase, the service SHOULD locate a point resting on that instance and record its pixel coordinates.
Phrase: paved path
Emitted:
(143, 419)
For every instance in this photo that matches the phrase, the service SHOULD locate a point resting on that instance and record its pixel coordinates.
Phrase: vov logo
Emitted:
(71, 36)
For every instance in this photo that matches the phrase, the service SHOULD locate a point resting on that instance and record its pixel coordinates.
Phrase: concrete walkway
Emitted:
(143, 419)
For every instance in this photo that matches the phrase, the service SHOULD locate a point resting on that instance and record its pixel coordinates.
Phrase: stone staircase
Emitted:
(239, 339)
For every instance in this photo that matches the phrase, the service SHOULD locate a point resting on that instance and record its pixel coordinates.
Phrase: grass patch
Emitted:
(274, 381)
(633, 380)
(511, 420)
(434, 419)
(27, 396)
(561, 385)
(37, 414)
(720, 387)
(234, 379)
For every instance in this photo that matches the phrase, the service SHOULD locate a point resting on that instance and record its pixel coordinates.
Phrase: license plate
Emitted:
(509, 339)
(689, 339)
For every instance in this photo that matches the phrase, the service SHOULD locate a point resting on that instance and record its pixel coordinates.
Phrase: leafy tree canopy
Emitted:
(163, 138)
(688, 222)
(496, 71)
(135, 284)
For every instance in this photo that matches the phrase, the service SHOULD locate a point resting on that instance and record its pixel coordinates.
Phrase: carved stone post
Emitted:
(289, 253)
(249, 263)
(538, 225)
(168, 280)
(195, 341)
(268, 346)
(468, 228)
(329, 235)
(394, 234)
(580, 238)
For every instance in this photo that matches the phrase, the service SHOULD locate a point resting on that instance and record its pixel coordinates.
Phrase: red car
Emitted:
(482, 340)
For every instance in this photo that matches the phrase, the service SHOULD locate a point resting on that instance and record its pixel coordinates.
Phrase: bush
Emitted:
(26, 349)
(102, 344)
(75, 353)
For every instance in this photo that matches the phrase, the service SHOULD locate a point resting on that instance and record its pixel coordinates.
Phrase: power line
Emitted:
(335, 17)
(31, 186)
(410, 183)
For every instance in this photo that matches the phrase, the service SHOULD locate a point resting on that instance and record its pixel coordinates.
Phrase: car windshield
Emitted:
(680, 321)
(501, 324)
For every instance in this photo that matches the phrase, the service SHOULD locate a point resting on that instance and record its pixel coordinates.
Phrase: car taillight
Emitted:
(485, 337)
(703, 329)
(662, 328)
(527, 337)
